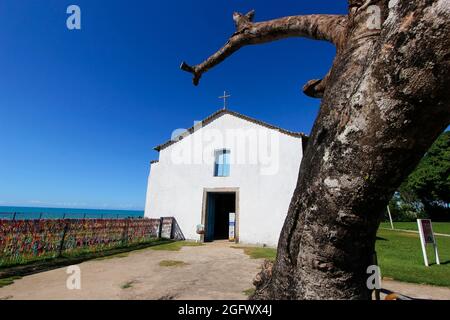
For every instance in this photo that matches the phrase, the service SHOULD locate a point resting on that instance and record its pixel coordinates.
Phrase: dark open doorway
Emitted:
(219, 207)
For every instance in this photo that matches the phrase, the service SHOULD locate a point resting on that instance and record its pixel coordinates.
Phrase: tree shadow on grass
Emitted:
(431, 264)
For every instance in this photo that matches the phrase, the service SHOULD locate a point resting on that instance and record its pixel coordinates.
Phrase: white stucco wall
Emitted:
(176, 189)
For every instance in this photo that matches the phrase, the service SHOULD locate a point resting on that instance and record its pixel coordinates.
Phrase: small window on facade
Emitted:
(222, 163)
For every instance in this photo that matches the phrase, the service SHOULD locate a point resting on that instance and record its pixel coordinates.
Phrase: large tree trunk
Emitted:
(385, 101)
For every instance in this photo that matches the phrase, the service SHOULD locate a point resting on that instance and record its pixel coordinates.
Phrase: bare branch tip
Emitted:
(196, 79)
(251, 15)
(314, 88)
(185, 67)
(241, 20)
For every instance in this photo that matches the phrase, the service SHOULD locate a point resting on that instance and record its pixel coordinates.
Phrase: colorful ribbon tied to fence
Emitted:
(27, 240)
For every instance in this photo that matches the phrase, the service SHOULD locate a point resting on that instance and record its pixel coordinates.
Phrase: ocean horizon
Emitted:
(30, 213)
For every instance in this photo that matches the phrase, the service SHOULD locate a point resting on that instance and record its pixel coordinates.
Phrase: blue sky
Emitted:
(80, 111)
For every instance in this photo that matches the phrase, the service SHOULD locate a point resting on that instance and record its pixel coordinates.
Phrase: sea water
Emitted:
(27, 213)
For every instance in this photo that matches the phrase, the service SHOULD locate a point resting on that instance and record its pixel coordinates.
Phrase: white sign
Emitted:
(427, 237)
(232, 236)
(200, 229)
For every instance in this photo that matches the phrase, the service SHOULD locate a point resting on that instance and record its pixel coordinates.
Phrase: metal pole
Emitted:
(438, 262)
(161, 220)
(172, 228)
(390, 217)
(14, 216)
(423, 243)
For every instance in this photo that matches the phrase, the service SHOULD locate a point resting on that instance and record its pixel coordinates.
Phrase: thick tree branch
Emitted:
(319, 27)
(386, 101)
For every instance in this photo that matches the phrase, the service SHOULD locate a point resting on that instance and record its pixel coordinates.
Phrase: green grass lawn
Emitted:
(176, 245)
(400, 257)
(172, 263)
(8, 281)
(438, 227)
(259, 252)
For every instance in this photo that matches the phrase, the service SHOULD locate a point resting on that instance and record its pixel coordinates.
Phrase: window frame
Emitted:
(222, 169)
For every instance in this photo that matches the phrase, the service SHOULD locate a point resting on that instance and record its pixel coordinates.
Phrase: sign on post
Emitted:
(232, 228)
(427, 237)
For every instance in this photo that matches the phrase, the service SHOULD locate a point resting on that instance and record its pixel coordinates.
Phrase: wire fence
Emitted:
(23, 241)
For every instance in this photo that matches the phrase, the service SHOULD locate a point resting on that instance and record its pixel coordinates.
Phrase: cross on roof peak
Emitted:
(225, 97)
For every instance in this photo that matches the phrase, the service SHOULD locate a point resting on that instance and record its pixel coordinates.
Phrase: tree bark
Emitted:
(385, 101)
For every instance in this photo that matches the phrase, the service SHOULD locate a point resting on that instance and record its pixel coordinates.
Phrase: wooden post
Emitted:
(14, 216)
(125, 233)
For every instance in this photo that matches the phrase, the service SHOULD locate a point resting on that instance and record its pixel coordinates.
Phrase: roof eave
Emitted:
(219, 113)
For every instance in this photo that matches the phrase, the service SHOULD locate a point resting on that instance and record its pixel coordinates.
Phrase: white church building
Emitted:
(227, 168)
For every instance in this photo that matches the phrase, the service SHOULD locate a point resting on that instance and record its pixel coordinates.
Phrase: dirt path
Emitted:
(213, 271)
(417, 291)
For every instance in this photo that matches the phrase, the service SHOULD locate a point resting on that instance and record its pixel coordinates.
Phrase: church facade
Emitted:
(227, 176)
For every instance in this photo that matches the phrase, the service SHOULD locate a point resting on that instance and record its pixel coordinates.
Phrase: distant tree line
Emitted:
(426, 192)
